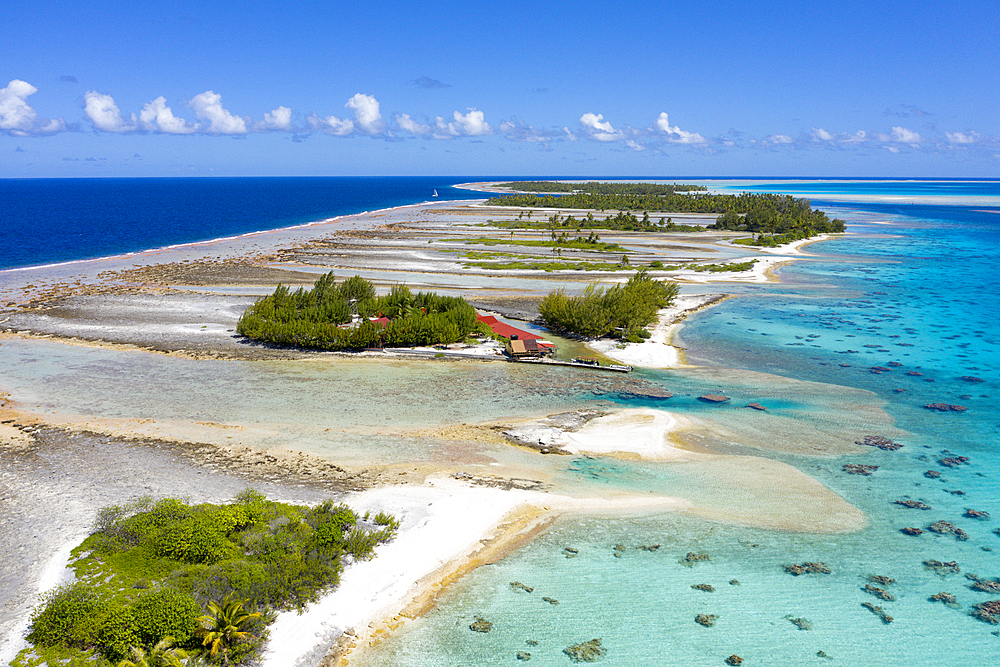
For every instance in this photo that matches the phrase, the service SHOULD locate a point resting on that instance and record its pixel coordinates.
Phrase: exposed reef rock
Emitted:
(518, 586)
(586, 652)
(714, 398)
(859, 469)
(971, 378)
(800, 623)
(550, 600)
(481, 625)
(932, 474)
(523, 656)
(570, 552)
(692, 558)
(953, 461)
(648, 547)
(878, 611)
(881, 580)
(913, 504)
(880, 593)
(643, 389)
(708, 588)
(943, 568)
(948, 528)
(757, 406)
(807, 568)
(879, 441)
(911, 531)
(734, 660)
(984, 585)
(944, 407)
(708, 620)
(982, 515)
(946, 598)
(987, 611)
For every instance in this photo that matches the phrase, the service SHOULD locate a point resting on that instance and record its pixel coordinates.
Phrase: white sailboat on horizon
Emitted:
(435, 193)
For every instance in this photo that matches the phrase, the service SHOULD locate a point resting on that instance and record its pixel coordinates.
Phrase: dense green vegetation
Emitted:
(622, 221)
(597, 187)
(622, 311)
(763, 214)
(159, 581)
(319, 318)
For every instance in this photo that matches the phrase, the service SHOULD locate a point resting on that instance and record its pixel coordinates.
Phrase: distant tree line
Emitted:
(321, 318)
(621, 221)
(764, 214)
(597, 187)
(621, 311)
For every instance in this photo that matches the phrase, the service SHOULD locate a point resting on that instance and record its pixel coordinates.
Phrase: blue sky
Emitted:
(541, 88)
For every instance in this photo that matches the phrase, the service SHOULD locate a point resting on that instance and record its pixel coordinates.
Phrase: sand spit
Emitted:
(749, 490)
(657, 352)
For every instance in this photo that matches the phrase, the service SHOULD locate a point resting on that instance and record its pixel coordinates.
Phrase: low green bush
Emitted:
(151, 568)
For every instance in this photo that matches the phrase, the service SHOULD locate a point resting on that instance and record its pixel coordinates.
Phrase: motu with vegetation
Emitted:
(336, 317)
(597, 187)
(774, 218)
(161, 581)
(622, 311)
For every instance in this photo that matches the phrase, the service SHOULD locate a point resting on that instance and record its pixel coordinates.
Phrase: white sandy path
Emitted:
(440, 523)
(56, 573)
(443, 523)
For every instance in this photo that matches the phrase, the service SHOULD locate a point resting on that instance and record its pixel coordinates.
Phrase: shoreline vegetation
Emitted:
(350, 316)
(53, 306)
(772, 219)
(622, 311)
(157, 582)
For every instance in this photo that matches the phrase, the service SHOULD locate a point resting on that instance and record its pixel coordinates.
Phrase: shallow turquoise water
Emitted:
(911, 291)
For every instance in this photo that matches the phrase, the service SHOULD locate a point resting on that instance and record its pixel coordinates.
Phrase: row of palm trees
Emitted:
(221, 631)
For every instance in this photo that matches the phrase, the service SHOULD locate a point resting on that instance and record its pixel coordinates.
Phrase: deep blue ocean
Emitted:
(904, 307)
(45, 221)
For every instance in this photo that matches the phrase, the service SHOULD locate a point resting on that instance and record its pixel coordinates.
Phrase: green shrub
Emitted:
(383, 519)
(118, 634)
(165, 613)
(198, 539)
(69, 616)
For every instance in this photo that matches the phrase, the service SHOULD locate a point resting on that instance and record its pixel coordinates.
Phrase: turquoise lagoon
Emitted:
(911, 290)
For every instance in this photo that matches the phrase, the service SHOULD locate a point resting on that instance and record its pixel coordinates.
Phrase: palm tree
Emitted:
(225, 626)
(164, 654)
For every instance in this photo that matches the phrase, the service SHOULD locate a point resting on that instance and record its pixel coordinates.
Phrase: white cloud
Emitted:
(208, 107)
(962, 137)
(903, 136)
(156, 116)
(675, 134)
(634, 146)
(105, 115)
(893, 149)
(16, 115)
(599, 129)
(516, 130)
(279, 119)
(858, 137)
(472, 124)
(332, 125)
(780, 139)
(410, 125)
(366, 113)
(819, 134)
